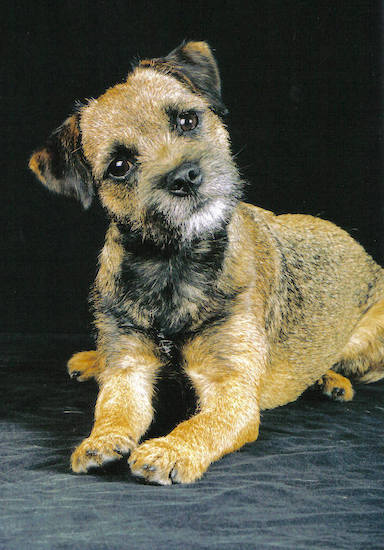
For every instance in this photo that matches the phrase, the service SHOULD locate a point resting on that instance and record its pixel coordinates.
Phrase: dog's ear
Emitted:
(194, 64)
(197, 62)
(61, 166)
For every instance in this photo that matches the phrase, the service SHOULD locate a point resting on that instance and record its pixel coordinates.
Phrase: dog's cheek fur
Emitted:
(119, 199)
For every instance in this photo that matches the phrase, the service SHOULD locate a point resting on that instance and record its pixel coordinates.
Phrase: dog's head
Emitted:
(154, 147)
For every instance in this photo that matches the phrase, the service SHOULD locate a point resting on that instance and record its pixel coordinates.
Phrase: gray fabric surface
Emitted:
(314, 479)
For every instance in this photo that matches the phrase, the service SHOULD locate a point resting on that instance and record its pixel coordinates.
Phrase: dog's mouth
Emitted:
(183, 190)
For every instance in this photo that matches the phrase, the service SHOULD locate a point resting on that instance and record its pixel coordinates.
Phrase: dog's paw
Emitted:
(164, 462)
(83, 365)
(97, 450)
(336, 387)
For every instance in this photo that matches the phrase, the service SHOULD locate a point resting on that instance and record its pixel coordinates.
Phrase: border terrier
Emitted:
(251, 307)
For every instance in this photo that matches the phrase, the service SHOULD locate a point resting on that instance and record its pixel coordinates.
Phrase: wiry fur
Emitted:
(250, 307)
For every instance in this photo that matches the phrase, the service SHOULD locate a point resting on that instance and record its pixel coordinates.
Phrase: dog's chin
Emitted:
(189, 217)
(207, 219)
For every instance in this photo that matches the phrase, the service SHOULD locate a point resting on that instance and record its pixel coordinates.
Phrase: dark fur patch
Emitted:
(174, 399)
(165, 282)
(293, 302)
(289, 297)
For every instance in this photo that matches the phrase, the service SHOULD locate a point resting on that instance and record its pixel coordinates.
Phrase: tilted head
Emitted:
(154, 148)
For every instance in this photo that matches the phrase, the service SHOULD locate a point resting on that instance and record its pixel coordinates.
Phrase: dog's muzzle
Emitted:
(184, 180)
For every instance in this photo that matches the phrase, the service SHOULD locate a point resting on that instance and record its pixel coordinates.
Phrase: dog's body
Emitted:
(256, 307)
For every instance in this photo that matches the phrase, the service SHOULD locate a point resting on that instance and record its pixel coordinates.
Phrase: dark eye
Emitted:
(119, 167)
(187, 121)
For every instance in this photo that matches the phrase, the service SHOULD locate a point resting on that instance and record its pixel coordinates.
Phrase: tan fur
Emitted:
(300, 295)
(124, 405)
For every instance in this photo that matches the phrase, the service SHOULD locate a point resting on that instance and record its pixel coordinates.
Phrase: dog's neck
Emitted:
(166, 244)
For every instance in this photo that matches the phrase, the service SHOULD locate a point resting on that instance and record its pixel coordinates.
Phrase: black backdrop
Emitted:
(302, 83)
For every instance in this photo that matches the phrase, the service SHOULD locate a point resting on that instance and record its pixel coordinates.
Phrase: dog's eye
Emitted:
(119, 167)
(187, 121)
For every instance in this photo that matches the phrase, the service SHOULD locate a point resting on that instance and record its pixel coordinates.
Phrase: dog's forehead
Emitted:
(142, 99)
(133, 113)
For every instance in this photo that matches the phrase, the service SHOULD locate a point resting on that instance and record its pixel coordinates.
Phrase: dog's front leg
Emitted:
(228, 417)
(123, 410)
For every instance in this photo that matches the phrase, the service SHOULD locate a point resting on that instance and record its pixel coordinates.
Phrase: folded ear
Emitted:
(195, 65)
(61, 166)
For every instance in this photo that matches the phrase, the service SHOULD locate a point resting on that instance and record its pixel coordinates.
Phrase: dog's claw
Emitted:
(75, 374)
(338, 392)
(149, 468)
(118, 451)
(90, 452)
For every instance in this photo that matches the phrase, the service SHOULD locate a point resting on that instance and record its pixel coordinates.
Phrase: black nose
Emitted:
(184, 179)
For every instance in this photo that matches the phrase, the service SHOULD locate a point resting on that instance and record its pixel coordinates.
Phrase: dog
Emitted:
(253, 308)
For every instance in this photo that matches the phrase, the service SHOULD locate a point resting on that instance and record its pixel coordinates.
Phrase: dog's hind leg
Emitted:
(363, 357)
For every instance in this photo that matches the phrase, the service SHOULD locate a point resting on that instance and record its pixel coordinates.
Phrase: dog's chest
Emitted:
(169, 294)
(174, 291)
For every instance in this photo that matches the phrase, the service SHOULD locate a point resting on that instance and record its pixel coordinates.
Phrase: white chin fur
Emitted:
(191, 222)
(207, 219)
